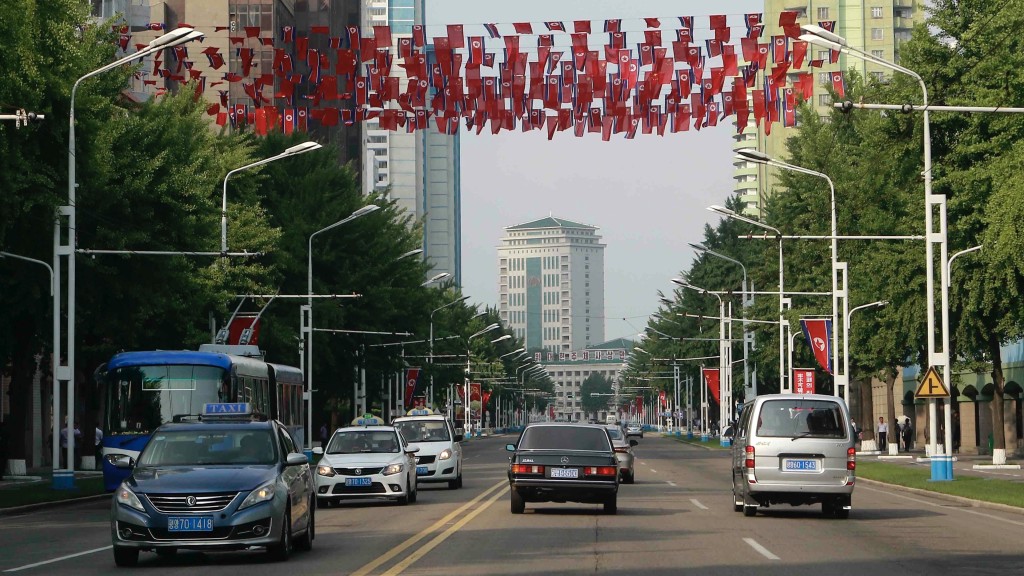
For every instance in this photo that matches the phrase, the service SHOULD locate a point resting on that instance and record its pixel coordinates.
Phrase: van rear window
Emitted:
(801, 419)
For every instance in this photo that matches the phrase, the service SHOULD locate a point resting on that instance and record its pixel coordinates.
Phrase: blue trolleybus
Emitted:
(142, 390)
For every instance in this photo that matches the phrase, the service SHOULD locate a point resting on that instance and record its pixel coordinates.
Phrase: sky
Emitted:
(648, 196)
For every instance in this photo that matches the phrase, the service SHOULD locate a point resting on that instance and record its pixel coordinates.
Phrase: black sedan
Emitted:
(563, 462)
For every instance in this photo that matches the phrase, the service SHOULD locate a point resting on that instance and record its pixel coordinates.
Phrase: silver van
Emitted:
(794, 449)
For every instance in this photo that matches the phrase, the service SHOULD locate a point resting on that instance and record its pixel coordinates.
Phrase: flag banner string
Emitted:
(608, 80)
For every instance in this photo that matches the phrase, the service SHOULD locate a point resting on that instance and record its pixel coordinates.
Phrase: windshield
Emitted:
(201, 447)
(564, 438)
(424, 431)
(801, 418)
(363, 441)
(615, 432)
(141, 398)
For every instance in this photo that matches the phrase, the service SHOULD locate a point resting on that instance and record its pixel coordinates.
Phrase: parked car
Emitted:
(440, 455)
(563, 462)
(623, 453)
(226, 482)
(366, 462)
(794, 449)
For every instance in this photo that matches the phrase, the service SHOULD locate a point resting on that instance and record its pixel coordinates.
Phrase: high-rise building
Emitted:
(877, 27)
(551, 285)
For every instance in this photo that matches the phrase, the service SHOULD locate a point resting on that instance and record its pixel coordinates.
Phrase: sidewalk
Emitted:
(35, 490)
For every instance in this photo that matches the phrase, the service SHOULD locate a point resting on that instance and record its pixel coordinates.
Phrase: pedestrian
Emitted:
(323, 436)
(78, 445)
(956, 432)
(883, 431)
(907, 431)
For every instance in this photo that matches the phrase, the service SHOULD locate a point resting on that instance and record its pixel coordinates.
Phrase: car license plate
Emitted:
(792, 465)
(190, 524)
(421, 470)
(366, 481)
(565, 473)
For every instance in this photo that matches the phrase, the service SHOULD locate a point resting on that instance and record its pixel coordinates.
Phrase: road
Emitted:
(676, 519)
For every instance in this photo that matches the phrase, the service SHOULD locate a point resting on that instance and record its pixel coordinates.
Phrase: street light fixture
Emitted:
(724, 365)
(518, 351)
(436, 278)
(413, 252)
(307, 325)
(846, 340)
(783, 325)
(935, 234)
(293, 151)
(64, 372)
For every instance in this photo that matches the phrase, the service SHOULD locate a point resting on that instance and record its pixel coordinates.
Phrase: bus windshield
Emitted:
(141, 398)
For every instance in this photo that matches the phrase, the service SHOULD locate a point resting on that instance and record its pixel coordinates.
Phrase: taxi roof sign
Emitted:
(227, 409)
(368, 420)
(421, 412)
(931, 386)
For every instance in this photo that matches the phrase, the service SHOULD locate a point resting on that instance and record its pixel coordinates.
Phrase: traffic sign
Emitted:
(932, 386)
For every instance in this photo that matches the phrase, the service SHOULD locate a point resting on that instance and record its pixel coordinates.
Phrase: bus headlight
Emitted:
(128, 498)
(264, 493)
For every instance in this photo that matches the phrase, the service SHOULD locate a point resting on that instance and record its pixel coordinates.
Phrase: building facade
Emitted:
(551, 285)
(570, 370)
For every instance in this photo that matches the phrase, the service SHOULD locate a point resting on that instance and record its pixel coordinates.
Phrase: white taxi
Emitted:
(440, 455)
(367, 460)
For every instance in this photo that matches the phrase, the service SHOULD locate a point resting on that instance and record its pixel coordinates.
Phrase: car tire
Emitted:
(630, 478)
(453, 484)
(283, 549)
(460, 480)
(750, 511)
(518, 503)
(305, 542)
(323, 502)
(611, 504)
(165, 552)
(414, 495)
(126, 557)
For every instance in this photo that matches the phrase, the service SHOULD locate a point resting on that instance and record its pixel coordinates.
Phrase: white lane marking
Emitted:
(698, 504)
(27, 566)
(761, 549)
(945, 505)
(671, 483)
(653, 470)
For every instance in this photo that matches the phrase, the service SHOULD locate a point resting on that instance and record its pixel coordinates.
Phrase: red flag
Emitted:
(456, 38)
(652, 22)
(581, 26)
(818, 334)
(711, 378)
(412, 377)
(837, 84)
(803, 380)
(523, 27)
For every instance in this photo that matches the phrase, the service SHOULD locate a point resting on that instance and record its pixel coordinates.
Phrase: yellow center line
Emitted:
(424, 533)
(412, 558)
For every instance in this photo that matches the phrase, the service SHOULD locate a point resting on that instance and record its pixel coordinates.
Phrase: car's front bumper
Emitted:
(393, 486)
(258, 525)
(438, 471)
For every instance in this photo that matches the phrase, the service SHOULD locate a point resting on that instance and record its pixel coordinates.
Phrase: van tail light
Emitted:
(749, 462)
(600, 471)
(527, 469)
(851, 459)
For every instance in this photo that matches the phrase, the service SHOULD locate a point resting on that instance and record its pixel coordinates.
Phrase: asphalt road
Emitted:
(676, 519)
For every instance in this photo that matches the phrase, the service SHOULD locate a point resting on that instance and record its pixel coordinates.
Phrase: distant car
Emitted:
(623, 453)
(563, 462)
(227, 482)
(634, 429)
(794, 449)
(440, 455)
(366, 462)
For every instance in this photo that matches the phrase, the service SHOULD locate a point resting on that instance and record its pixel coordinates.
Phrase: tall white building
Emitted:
(551, 285)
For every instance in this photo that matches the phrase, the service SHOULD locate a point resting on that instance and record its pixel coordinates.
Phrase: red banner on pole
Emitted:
(239, 325)
(412, 378)
(640, 405)
(803, 380)
(817, 333)
(711, 378)
(664, 401)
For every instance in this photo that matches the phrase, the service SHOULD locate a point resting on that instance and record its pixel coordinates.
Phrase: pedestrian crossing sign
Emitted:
(931, 386)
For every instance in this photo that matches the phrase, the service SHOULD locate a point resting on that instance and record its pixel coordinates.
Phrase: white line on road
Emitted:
(653, 470)
(671, 483)
(761, 549)
(698, 504)
(27, 566)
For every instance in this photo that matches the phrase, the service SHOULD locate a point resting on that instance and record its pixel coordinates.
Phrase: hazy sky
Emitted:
(647, 195)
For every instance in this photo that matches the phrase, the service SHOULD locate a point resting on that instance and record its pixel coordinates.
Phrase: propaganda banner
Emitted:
(412, 378)
(803, 380)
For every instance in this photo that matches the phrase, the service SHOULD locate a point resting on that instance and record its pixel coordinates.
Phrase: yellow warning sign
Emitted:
(932, 386)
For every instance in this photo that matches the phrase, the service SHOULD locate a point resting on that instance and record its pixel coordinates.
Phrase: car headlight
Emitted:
(393, 469)
(262, 494)
(325, 470)
(445, 454)
(128, 498)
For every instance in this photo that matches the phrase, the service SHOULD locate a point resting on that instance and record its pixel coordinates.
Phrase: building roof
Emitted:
(550, 222)
(616, 344)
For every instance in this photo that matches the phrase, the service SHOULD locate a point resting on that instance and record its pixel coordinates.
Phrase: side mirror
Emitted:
(318, 450)
(296, 459)
(510, 447)
(459, 437)
(126, 463)
(634, 443)
(412, 449)
(729, 432)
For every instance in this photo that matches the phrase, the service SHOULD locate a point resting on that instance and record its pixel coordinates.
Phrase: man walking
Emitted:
(883, 431)
(908, 434)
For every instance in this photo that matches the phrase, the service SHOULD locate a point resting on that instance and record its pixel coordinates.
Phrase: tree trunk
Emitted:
(867, 409)
(890, 407)
(998, 395)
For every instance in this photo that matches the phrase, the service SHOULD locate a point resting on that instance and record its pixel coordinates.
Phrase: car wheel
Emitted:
(166, 552)
(415, 494)
(750, 510)
(283, 549)
(126, 557)
(630, 478)
(323, 502)
(460, 480)
(453, 484)
(611, 505)
(518, 503)
(305, 542)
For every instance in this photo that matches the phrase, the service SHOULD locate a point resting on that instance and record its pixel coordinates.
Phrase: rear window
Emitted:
(797, 418)
(615, 432)
(564, 438)
(424, 431)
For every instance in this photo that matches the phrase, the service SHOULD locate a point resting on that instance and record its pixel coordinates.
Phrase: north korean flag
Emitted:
(818, 333)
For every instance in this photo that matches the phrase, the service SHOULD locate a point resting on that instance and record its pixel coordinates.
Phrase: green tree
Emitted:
(594, 394)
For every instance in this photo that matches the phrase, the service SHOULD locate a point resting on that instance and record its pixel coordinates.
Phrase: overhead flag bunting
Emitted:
(617, 77)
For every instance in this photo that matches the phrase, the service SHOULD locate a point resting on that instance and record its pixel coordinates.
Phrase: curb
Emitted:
(13, 510)
(949, 497)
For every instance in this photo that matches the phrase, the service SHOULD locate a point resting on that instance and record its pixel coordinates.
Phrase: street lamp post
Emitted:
(783, 325)
(935, 205)
(431, 352)
(293, 151)
(846, 342)
(307, 325)
(466, 417)
(65, 371)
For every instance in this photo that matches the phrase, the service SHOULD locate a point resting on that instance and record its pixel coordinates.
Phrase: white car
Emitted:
(366, 462)
(440, 455)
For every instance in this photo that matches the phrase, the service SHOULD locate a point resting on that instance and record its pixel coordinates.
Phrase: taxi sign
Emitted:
(227, 409)
(420, 412)
(368, 420)
(931, 386)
